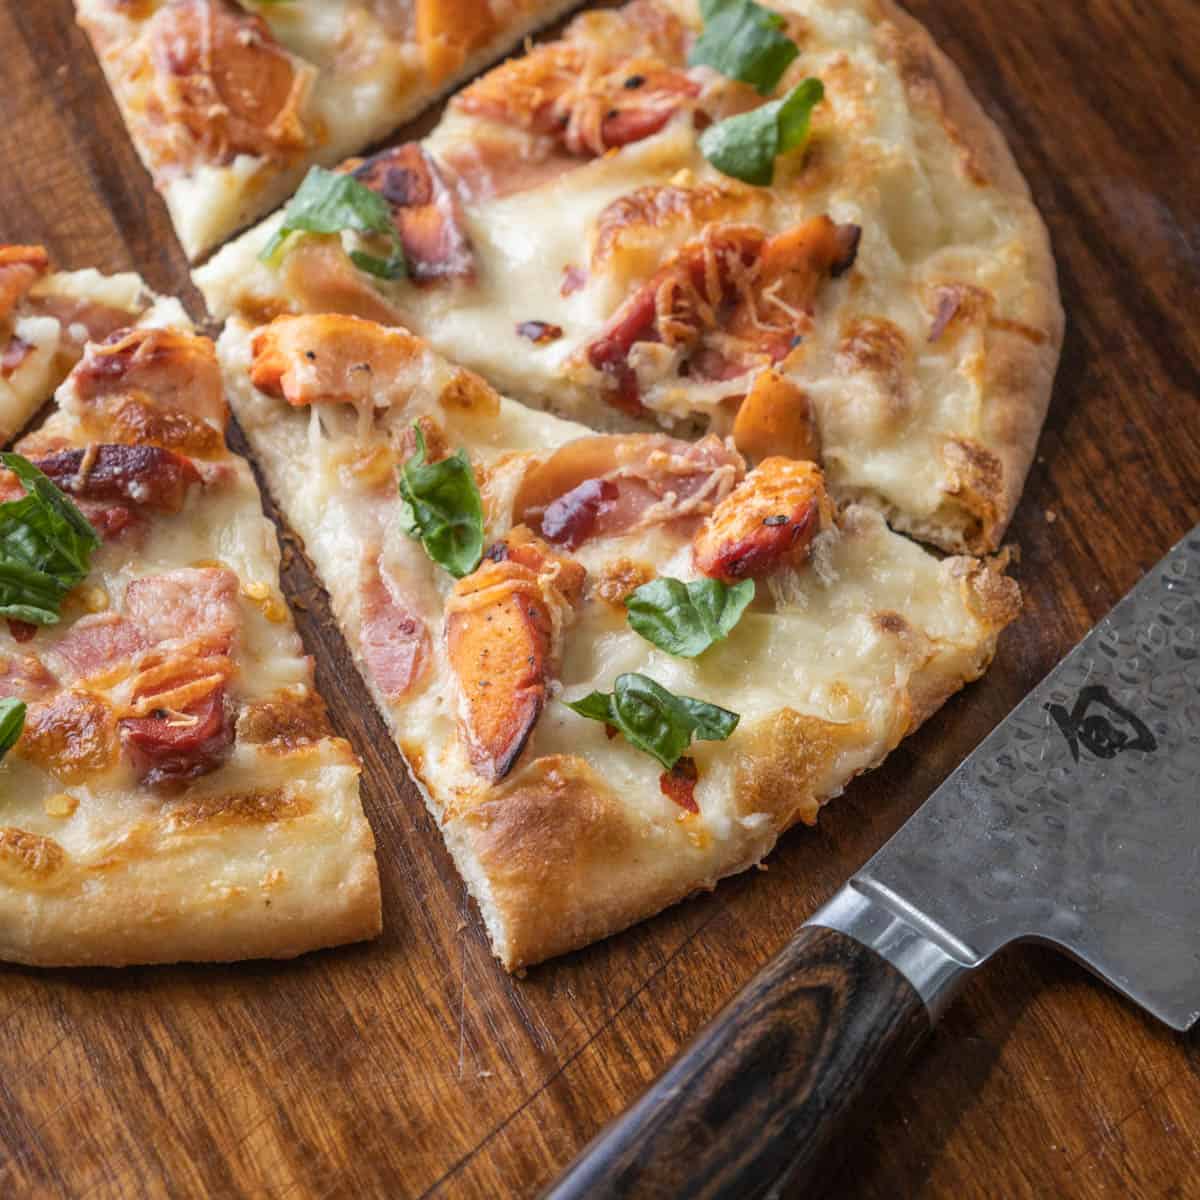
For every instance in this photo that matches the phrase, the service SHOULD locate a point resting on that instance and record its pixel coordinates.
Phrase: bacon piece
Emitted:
(604, 486)
(138, 476)
(221, 76)
(72, 736)
(78, 316)
(777, 417)
(767, 522)
(731, 285)
(425, 211)
(184, 604)
(96, 643)
(679, 784)
(172, 746)
(22, 631)
(20, 268)
(330, 358)
(157, 386)
(25, 677)
(556, 91)
(450, 30)
(500, 642)
(395, 640)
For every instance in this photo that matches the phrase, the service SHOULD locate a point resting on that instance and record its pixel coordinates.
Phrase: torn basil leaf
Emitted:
(655, 720)
(46, 547)
(12, 721)
(744, 41)
(746, 146)
(686, 618)
(442, 508)
(330, 202)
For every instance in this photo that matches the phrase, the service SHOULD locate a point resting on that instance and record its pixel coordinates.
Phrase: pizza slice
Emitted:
(170, 786)
(761, 222)
(229, 102)
(619, 666)
(47, 317)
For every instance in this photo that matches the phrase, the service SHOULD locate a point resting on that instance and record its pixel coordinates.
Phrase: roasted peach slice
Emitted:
(500, 634)
(20, 269)
(776, 417)
(449, 30)
(767, 522)
(329, 357)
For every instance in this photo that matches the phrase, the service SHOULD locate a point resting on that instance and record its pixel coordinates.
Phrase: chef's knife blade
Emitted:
(1075, 823)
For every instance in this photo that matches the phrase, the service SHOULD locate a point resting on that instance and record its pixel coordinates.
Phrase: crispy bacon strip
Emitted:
(425, 211)
(136, 476)
(500, 638)
(767, 522)
(221, 76)
(173, 746)
(727, 301)
(604, 486)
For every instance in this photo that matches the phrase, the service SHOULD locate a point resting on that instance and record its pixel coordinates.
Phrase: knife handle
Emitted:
(752, 1104)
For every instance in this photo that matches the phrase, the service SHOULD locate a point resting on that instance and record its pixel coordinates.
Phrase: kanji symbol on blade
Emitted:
(1102, 725)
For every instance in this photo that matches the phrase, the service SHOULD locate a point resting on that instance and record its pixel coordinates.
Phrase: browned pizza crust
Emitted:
(1023, 350)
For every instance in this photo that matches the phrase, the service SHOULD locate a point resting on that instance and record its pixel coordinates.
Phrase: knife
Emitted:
(1076, 823)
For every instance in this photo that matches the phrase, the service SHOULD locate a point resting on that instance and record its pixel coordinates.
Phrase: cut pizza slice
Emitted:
(48, 316)
(638, 223)
(170, 786)
(229, 102)
(619, 666)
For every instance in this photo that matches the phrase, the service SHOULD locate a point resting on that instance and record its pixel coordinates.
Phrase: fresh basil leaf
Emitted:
(655, 720)
(686, 618)
(746, 146)
(46, 546)
(329, 202)
(742, 40)
(442, 508)
(12, 721)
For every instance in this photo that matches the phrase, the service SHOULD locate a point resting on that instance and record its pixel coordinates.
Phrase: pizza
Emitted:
(228, 102)
(618, 665)
(46, 318)
(172, 789)
(793, 227)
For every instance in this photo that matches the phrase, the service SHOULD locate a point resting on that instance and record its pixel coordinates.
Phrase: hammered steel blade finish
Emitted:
(1077, 822)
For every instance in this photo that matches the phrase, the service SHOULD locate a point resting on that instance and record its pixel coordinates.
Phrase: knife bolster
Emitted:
(934, 961)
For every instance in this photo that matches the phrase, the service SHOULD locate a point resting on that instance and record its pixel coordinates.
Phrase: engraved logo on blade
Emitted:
(1103, 727)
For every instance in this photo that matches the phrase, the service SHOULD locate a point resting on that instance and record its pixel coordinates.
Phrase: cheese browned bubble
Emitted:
(564, 833)
(926, 364)
(177, 792)
(228, 107)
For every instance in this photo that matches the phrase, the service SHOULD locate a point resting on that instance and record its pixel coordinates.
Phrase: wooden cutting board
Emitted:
(415, 1065)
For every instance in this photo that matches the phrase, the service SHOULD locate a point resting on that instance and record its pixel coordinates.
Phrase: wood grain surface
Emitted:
(415, 1065)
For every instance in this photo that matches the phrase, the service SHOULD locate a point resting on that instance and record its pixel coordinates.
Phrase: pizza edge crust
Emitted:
(549, 860)
(1019, 372)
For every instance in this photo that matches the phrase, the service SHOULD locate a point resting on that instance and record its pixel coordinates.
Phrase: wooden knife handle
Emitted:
(752, 1104)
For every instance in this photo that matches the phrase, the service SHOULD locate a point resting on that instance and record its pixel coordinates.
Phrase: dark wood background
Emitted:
(415, 1065)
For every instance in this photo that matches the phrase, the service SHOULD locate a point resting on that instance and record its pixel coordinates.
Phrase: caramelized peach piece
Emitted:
(329, 358)
(20, 269)
(227, 81)
(768, 521)
(449, 30)
(777, 417)
(425, 212)
(319, 277)
(500, 640)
